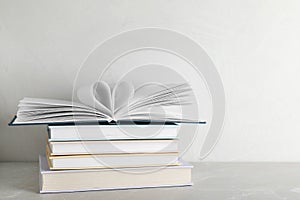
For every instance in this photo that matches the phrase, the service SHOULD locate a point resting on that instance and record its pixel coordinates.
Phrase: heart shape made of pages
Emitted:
(99, 95)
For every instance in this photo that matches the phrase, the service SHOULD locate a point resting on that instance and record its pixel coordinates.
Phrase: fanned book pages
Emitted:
(99, 102)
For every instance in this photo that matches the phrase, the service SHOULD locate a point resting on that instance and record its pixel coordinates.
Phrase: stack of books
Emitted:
(103, 157)
(112, 139)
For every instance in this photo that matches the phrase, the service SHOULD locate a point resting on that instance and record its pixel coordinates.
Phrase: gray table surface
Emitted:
(19, 180)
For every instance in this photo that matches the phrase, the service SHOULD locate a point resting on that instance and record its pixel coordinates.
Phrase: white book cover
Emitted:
(113, 147)
(112, 160)
(112, 132)
(112, 179)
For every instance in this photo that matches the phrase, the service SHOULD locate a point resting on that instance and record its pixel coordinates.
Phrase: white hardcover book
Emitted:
(112, 179)
(112, 132)
(113, 147)
(112, 160)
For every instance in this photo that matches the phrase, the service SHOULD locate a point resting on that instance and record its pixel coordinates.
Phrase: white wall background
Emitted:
(255, 45)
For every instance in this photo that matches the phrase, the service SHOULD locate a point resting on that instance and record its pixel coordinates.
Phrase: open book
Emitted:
(98, 102)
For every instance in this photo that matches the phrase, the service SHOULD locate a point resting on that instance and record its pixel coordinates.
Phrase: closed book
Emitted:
(112, 179)
(111, 160)
(112, 132)
(113, 147)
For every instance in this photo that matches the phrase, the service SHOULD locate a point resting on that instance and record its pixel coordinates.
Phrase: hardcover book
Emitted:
(112, 179)
(99, 102)
(112, 147)
(111, 160)
(112, 132)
